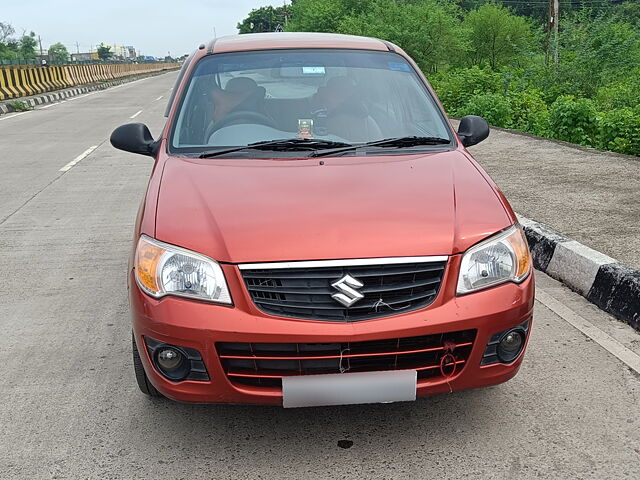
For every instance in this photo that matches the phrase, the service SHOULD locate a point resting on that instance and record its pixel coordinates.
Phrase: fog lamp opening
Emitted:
(511, 344)
(172, 362)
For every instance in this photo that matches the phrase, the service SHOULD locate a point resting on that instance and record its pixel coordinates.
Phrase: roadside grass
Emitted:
(19, 106)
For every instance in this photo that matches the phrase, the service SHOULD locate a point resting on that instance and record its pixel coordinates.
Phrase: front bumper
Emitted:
(199, 326)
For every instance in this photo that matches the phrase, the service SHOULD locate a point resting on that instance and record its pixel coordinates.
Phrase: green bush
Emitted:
(573, 120)
(594, 50)
(530, 113)
(619, 95)
(494, 108)
(619, 131)
(456, 88)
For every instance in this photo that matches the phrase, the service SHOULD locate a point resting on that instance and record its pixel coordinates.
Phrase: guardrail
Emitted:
(26, 80)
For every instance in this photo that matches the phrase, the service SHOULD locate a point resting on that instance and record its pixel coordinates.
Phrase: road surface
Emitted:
(71, 409)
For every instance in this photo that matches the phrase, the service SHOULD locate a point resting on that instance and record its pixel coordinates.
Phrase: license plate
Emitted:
(349, 388)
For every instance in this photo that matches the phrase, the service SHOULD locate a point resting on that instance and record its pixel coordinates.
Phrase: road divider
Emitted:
(26, 80)
(68, 94)
(602, 280)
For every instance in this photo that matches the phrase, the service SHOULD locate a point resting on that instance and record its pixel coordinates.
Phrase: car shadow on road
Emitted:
(299, 433)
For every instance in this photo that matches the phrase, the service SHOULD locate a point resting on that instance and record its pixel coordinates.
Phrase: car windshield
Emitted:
(332, 97)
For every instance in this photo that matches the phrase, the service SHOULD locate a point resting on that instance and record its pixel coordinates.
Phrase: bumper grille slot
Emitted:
(306, 293)
(264, 364)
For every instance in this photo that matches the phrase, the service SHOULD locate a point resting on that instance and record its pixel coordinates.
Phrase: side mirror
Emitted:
(134, 138)
(472, 130)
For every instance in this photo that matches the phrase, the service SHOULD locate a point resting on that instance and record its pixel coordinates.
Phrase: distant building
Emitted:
(130, 52)
(84, 57)
(118, 53)
(123, 52)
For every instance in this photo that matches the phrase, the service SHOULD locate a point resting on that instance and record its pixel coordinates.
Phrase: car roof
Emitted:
(270, 41)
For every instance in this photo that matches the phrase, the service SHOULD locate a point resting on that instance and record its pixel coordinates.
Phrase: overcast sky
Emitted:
(152, 27)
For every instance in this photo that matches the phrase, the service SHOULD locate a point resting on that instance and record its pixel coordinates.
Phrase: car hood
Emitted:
(258, 210)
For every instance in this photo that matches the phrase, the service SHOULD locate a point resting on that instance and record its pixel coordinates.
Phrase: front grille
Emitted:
(264, 364)
(307, 292)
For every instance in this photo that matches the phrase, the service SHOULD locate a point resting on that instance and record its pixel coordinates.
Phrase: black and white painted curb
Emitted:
(613, 287)
(60, 95)
(52, 96)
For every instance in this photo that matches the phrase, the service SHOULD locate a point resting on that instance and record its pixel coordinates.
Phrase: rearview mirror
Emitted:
(472, 130)
(134, 138)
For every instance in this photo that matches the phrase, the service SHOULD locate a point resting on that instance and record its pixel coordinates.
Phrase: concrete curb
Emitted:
(611, 286)
(58, 95)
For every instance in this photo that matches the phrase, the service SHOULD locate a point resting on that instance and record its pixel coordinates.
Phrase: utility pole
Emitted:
(556, 31)
(286, 13)
(77, 47)
(553, 29)
(40, 42)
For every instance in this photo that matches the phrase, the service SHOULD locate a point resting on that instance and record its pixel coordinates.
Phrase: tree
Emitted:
(428, 30)
(58, 53)
(264, 19)
(8, 46)
(497, 36)
(104, 51)
(27, 46)
(6, 30)
(628, 11)
(317, 15)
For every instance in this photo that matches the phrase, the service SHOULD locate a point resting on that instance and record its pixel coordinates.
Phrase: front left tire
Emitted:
(141, 377)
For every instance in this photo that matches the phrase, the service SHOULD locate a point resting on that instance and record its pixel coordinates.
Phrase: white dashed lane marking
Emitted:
(76, 160)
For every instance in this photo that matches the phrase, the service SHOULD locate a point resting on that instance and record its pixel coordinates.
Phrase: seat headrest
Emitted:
(241, 85)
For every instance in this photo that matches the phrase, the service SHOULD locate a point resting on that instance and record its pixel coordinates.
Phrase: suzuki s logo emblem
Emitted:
(347, 286)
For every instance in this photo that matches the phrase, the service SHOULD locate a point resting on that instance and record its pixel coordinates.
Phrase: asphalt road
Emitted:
(70, 407)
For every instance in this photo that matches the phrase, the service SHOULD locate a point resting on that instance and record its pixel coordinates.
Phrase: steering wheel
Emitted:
(239, 117)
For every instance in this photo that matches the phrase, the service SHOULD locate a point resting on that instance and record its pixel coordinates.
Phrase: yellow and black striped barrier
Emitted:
(22, 81)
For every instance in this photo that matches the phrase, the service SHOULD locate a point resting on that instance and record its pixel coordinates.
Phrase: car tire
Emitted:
(141, 377)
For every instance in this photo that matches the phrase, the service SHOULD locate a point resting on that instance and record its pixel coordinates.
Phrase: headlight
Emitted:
(162, 269)
(502, 258)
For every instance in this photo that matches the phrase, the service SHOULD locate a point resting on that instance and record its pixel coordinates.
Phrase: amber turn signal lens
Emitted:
(148, 257)
(521, 249)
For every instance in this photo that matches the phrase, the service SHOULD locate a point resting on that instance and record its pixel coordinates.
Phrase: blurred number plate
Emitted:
(348, 388)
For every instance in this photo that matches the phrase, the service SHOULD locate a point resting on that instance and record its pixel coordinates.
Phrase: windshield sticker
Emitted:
(313, 71)
(305, 126)
(399, 66)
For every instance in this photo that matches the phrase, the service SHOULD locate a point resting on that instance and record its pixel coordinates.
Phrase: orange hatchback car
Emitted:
(314, 232)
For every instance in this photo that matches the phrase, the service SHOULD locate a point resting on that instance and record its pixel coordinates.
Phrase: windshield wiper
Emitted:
(397, 142)
(287, 144)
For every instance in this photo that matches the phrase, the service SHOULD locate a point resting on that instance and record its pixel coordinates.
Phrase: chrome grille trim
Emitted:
(343, 263)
